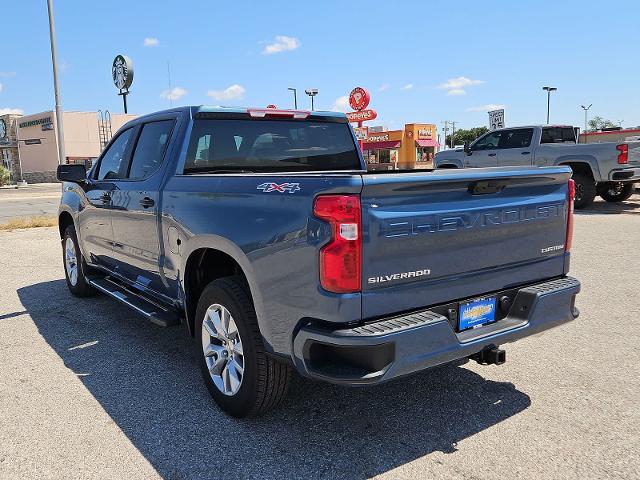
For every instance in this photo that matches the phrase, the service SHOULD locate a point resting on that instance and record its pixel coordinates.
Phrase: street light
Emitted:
(295, 97)
(586, 110)
(549, 90)
(312, 92)
(56, 87)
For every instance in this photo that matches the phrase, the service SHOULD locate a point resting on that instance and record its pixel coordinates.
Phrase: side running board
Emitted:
(137, 302)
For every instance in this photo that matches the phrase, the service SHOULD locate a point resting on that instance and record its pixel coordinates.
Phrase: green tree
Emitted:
(469, 135)
(598, 123)
(4, 176)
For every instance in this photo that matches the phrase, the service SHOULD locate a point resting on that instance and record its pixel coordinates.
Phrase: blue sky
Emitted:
(422, 61)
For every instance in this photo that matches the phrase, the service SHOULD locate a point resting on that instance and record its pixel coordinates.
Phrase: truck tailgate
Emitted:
(435, 237)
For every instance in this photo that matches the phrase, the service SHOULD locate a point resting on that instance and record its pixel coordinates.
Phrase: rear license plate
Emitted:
(476, 313)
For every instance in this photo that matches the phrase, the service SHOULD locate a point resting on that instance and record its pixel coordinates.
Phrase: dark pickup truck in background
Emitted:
(262, 232)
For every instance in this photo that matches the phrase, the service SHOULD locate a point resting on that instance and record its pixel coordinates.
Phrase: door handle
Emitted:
(105, 198)
(525, 153)
(147, 202)
(492, 154)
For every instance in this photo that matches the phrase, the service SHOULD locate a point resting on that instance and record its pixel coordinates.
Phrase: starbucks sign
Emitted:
(122, 72)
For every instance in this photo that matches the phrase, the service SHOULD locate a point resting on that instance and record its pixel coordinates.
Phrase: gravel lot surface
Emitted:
(33, 200)
(90, 390)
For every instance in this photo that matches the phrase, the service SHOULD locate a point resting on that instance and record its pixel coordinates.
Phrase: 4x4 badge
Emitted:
(281, 188)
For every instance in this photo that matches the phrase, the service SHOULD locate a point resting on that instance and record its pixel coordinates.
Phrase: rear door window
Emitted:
(516, 138)
(270, 145)
(558, 135)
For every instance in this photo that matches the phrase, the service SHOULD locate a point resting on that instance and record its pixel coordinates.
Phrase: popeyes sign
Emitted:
(359, 100)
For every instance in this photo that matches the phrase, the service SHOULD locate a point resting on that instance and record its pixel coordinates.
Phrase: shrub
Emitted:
(4, 176)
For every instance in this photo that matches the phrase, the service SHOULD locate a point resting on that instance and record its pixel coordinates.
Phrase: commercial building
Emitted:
(9, 143)
(85, 135)
(410, 148)
(613, 135)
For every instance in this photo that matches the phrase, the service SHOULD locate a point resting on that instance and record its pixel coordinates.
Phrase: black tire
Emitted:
(616, 191)
(264, 380)
(585, 190)
(78, 285)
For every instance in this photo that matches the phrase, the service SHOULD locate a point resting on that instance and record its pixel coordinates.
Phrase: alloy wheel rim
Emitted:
(71, 261)
(616, 189)
(222, 349)
(579, 192)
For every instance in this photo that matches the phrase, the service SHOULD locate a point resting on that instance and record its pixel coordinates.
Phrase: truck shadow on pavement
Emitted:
(147, 380)
(629, 207)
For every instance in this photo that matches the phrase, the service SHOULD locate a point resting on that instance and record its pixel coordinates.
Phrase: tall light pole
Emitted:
(549, 90)
(586, 113)
(312, 92)
(295, 97)
(56, 88)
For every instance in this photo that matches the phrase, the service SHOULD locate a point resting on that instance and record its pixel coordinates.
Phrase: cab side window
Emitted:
(149, 150)
(113, 163)
(489, 142)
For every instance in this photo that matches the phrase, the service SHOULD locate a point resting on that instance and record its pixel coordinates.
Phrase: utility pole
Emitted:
(445, 130)
(586, 113)
(549, 90)
(453, 133)
(56, 88)
(295, 97)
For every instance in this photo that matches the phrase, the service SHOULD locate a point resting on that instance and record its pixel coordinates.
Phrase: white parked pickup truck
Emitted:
(605, 169)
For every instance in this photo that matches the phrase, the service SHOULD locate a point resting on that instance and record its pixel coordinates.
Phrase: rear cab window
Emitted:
(270, 145)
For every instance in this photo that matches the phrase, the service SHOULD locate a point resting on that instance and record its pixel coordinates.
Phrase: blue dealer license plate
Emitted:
(476, 313)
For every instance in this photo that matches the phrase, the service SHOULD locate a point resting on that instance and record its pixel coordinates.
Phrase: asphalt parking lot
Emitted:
(33, 200)
(89, 390)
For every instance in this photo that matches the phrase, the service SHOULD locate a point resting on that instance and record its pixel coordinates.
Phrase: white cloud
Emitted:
(486, 108)
(7, 74)
(230, 93)
(383, 87)
(281, 43)
(408, 86)
(11, 111)
(174, 94)
(151, 42)
(341, 105)
(456, 86)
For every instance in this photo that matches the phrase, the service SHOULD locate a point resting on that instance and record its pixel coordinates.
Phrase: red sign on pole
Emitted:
(362, 116)
(359, 98)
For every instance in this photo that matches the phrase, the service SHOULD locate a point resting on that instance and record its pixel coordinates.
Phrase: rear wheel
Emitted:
(75, 268)
(239, 375)
(585, 190)
(617, 191)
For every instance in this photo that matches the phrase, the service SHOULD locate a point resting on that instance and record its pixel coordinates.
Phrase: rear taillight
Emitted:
(341, 258)
(623, 156)
(570, 197)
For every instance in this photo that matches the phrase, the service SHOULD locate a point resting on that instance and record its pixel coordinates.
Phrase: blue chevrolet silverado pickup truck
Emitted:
(263, 233)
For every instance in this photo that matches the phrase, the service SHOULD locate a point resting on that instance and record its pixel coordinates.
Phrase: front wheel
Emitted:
(617, 191)
(75, 268)
(585, 190)
(242, 379)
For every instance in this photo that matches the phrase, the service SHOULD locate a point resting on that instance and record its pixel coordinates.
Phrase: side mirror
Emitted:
(76, 173)
(467, 148)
